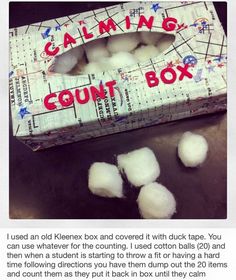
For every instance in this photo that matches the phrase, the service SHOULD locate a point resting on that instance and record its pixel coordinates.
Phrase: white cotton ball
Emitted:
(192, 149)
(122, 59)
(64, 63)
(96, 49)
(92, 68)
(150, 38)
(165, 42)
(105, 180)
(140, 166)
(144, 53)
(123, 43)
(105, 63)
(156, 202)
(94, 54)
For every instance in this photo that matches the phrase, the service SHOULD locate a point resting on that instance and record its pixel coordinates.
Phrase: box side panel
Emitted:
(156, 116)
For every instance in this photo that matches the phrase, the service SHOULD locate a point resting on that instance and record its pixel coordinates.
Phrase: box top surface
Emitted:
(200, 39)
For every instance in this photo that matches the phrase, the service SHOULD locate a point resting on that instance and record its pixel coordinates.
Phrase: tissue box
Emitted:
(187, 79)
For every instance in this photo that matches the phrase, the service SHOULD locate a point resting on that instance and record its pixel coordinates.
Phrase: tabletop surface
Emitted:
(53, 184)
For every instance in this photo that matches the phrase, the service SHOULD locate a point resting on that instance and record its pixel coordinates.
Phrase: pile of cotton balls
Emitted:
(115, 52)
(142, 169)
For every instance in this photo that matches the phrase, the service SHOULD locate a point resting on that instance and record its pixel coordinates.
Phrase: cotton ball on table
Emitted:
(156, 202)
(68, 60)
(150, 38)
(95, 50)
(192, 149)
(140, 166)
(165, 42)
(105, 180)
(144, 53)
(123, 43)
(122, 59)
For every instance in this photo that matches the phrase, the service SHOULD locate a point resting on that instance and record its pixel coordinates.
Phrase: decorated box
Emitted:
(186, 79)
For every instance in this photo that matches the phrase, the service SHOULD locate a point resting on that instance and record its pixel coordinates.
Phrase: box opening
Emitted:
(112, 52)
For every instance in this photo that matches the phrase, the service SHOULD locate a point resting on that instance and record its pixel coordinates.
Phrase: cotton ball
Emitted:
(140, 166)
(92, 68)
(64, 63)
(150, 38)
(165, 42)
(122, 59)
(156, 202)
(96, 49)
(192, 149)
(105, 180)
(123, 43)
(144, 53)
(95, 53)
(105, 63)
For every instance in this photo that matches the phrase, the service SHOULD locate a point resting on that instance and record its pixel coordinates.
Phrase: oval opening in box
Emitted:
(112, 52)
